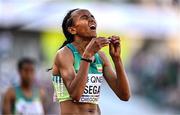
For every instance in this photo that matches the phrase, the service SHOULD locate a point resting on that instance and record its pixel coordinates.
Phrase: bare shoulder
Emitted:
(64, 54)
(63, 58)
(8, 100)
(10, 93)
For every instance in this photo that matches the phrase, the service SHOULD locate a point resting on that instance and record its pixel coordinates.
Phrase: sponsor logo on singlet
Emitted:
(92, 89)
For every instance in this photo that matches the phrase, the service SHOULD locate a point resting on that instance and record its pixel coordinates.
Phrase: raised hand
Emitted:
(95, 45)
(114, 46)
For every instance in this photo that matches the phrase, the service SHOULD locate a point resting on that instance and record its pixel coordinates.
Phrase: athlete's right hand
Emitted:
(94, 46)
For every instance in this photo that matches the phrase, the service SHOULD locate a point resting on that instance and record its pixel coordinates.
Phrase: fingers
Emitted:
(115, 40)
(111, 47)
(102, 41)
(103, 45)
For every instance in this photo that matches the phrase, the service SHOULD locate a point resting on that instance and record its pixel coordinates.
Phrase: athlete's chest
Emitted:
(94, 68)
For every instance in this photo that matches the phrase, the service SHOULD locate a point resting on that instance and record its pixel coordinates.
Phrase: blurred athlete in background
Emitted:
(25, 98)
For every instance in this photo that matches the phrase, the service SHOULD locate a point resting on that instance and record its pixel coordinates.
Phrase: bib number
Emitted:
(92, 89)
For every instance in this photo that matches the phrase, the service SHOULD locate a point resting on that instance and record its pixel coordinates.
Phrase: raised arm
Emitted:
(117, 79)
(75, 82)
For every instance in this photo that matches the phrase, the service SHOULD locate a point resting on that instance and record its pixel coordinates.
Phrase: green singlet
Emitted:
(24, 105)
(92, 89)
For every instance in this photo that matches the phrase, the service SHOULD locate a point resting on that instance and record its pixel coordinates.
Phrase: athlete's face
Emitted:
(84, 24)
(27, 73)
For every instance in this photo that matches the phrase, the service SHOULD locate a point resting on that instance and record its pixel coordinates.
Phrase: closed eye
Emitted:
(84, 17)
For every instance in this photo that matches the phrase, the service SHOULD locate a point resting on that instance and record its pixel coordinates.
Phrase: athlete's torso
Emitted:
(24, 105)
(88, 103)
(74, 108)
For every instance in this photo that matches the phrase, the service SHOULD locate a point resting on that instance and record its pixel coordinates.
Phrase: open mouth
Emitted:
(93, 27)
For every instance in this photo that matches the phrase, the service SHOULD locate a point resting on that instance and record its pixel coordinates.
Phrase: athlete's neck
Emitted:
(26, 86)
(81, 44)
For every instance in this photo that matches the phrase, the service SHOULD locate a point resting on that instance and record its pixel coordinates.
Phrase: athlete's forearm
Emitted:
(122, 80)
(78, 84)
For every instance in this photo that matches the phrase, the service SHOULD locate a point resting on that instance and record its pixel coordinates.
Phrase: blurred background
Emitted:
(150, 38)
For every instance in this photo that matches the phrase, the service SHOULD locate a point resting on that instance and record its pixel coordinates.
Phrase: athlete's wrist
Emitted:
(87, 60)
(116, 58)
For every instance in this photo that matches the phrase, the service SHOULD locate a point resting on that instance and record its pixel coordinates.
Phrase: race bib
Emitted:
(92, 89)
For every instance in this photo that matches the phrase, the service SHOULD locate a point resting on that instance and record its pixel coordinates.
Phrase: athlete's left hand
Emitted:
(114, 47)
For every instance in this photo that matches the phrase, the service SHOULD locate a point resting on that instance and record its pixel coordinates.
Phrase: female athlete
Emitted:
(79, 66)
